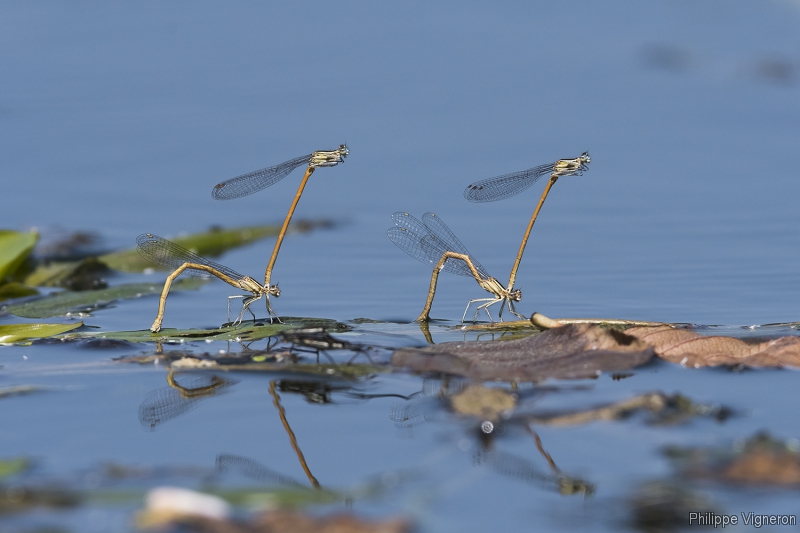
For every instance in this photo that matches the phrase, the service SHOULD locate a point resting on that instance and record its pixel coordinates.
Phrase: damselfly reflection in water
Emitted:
(181, 397)
(252, 182)
(432, 242)
(508, 185)
(169, 255)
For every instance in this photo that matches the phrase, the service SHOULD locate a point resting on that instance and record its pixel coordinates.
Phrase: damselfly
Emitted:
(261, 179)
(507, 185)
(252, 182)
(172, 256)
(432, 242)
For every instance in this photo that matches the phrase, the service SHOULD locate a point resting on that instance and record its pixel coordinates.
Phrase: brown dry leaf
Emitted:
(691, 349)
(764, 467)
(277, 521)
(760, 461)
(284, 521)
(569, 352)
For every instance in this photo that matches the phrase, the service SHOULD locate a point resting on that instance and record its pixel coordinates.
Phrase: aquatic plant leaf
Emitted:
(50, 274)
(210, 244)
(9, 467)
(13, 290)
(694, 350)
(569, 352)
(10, 333)
(15, 247)
(663, 409)
(66, 302)
(244, 332)
(19, 390)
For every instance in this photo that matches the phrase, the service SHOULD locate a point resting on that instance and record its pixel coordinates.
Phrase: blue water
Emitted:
(119, 120)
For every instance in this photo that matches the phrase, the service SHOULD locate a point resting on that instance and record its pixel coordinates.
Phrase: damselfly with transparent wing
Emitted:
(252, 182)
(172, 256)
(432, 243)
(261, 179)
(507, 185)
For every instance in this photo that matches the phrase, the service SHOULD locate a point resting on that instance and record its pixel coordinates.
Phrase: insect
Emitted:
(432, 242)
(508, 185)
(252, 182)
(172, 256)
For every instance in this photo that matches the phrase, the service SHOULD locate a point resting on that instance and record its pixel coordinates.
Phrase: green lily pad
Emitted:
(9, 467)
(209, 244)
(10, 333)
(244, 332)
(19, 390)
(14, 248)
(66, 302)
(12, 290)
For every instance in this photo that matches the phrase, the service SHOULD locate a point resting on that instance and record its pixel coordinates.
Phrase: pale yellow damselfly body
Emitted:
(252, 182)
(508, 185)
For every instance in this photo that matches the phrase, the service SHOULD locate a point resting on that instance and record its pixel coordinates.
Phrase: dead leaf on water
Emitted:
(569, 352)
(288, 521)
(694, 350)
(759, 461)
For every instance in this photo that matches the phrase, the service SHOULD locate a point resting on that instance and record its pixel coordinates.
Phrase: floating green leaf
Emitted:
(244, 332)
(19, 390)
(50, 274)
(10, 333)
(9, 467)
(66, 302)
(211, 243)
(14, 248)
(12, 290)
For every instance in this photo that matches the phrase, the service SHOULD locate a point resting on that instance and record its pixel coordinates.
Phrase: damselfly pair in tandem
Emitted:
(432, 242)
(172, 256)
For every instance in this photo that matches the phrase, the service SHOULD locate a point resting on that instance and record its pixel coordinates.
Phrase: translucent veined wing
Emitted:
(169, 255)
(427, 242)
(505, 186)
(252, 182)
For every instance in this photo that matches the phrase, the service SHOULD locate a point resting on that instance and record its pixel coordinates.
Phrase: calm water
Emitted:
(120, 121)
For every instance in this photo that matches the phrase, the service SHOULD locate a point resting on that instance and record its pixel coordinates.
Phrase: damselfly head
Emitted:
(344, 151)
(515, 295)
(585, 158)
(274, 290)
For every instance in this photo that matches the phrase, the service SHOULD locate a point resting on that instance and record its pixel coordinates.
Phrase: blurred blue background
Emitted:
(120, 118)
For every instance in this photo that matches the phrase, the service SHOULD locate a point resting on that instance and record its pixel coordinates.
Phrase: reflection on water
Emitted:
(181, 397)
(688, 215)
